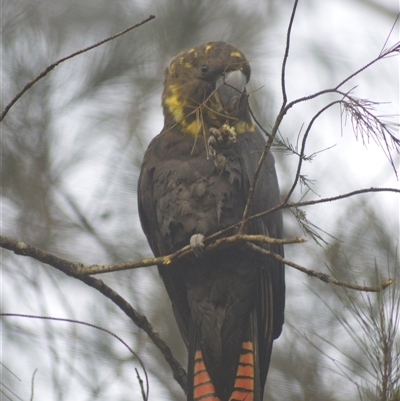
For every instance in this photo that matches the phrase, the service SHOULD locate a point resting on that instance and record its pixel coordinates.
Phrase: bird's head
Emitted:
(205, 87)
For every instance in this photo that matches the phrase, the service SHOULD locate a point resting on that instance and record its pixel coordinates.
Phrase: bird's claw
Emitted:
(222, 138)
(197, 245)
(219, 139)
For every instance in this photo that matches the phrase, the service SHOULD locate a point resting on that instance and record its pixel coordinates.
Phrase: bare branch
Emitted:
(289, 205)
(322, 276)
(395, 49)
(271, 136)
(33, 385)
(344, 196)
(285, 57)
(58, 319)
(142, 322)
(141, 385)
(188, 250)
(390, 33)
(378, 128)
(71, 269)
(61, 60)
(303, 146)
(76, 270)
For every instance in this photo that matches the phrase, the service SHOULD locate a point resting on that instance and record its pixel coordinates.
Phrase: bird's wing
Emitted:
(271, 282)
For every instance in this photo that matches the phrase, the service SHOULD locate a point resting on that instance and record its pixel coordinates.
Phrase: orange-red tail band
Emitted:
(203, 389)
(244, 383)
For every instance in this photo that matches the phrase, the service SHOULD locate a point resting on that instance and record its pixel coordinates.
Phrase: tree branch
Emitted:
(76, 270)
(61, 60)
(142, 322)
(145, 393)
(288, 205)
(322, 276)
(303, 147)
(278, 121)
(285, 57)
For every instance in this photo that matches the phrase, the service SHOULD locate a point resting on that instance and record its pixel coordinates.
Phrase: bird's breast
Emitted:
(192, 195)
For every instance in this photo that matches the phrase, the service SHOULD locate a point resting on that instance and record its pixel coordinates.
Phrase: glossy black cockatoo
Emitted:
(194, 181)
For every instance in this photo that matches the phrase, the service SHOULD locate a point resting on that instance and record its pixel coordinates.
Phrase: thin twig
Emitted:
(322, 276)
(142, 322)
(271, 137)
(363, 68)
(141, 385)
(55, 64)
(288, 106)
(288, 205)
(303, 147)
(390, 33)
(285, 57)
(365, 123)
(33, 385)
(58, 319)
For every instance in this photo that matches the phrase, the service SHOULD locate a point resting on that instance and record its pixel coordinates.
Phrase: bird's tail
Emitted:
(245, 380)
(246, 383)
(203, 388)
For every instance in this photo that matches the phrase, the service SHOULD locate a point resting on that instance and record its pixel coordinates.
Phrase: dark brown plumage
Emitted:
(195, 178)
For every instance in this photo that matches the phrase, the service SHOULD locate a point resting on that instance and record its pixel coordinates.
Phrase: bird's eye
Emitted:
(204, 69)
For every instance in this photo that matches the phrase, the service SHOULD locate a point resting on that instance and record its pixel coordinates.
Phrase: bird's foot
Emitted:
(197, 245)
(219, 140)
(222, 138)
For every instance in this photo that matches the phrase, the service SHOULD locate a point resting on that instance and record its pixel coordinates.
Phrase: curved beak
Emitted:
(230, 88)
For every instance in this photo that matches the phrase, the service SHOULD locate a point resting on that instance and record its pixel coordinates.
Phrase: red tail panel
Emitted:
(244, 383)
(203, 389)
